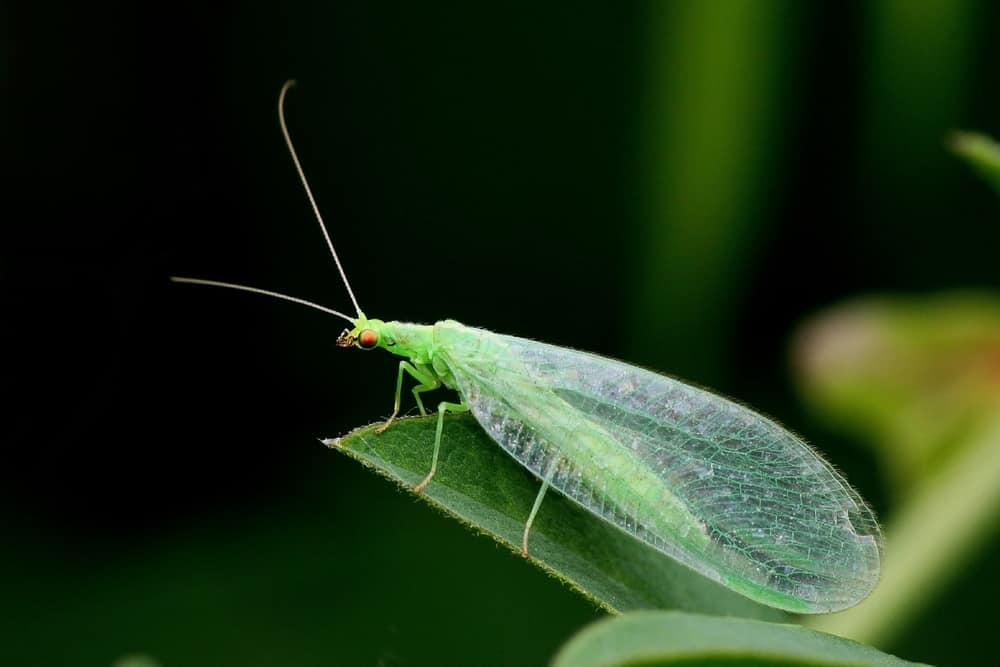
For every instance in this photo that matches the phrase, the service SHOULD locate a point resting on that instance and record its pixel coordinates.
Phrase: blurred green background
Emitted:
(679, 184)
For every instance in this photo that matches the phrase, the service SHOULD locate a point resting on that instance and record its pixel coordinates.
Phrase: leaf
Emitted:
(917, 378)
(708, 175)
(137, 660)
(485, 489)
(655, 638)
(982, 152)
(912, 375)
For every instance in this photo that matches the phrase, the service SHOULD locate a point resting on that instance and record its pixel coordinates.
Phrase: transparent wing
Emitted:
(710, 482)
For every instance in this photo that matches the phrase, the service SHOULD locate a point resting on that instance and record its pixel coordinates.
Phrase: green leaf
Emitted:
(138, 660)
(484, 488)
(915, 377)
(982, 152)
(710, 161)
(673, 638)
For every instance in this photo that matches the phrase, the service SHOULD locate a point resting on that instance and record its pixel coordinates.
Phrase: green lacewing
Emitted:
(707, 481)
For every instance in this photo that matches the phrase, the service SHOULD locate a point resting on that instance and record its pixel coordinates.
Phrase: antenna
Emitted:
(305, 184)
(257, 290)
(322, 226)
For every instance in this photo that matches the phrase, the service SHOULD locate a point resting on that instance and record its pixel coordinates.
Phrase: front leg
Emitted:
(428, 381)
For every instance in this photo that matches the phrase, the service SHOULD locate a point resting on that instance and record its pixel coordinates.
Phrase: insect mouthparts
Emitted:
(345, 339)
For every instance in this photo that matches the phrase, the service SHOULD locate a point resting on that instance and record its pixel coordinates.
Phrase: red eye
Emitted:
(367, 339)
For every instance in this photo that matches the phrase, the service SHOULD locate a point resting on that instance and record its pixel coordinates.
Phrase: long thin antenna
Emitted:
(302, 176)
(257, 290)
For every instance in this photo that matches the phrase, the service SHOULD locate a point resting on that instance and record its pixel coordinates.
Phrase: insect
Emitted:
(707, 481)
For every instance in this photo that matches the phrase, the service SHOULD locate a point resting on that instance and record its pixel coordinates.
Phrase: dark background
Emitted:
(676, 184)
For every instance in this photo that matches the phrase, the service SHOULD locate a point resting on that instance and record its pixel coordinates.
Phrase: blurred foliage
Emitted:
(913, 375)
(982, 152)
(135, 661)
(654, 638)
(709, 152)
(919, 378)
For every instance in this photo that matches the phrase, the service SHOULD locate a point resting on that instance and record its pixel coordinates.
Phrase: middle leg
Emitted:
(442, 408)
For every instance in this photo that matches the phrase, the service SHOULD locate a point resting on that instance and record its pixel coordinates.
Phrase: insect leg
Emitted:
(538, 503)
(425, 385)
(443, 407)
(427, 381)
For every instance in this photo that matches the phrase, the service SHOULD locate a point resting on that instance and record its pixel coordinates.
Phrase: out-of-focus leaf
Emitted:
(982, 152)
(717, 85)
(919, 378)
(484, 488)
(649, 639)
(137, 660)
(944, 521)
(913, 375)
